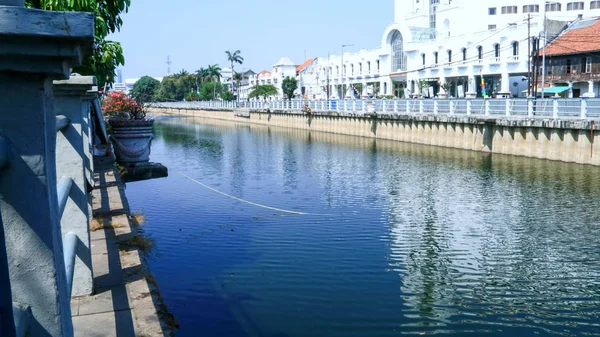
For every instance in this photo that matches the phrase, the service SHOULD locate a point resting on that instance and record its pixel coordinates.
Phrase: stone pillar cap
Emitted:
(43, 42)
(78, 85)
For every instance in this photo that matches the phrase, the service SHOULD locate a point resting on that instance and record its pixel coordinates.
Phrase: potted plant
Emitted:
(131, 131)
(446, 88)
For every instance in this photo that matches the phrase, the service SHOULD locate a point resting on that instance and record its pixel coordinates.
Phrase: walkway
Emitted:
(126, 299)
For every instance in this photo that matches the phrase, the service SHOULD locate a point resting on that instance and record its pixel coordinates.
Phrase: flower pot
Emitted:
(131, 140)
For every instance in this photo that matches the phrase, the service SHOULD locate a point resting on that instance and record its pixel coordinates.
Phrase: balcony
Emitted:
(513, 59)
(495, 60)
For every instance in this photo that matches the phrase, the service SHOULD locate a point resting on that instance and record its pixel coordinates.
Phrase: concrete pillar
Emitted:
(590, 92)
(472, 89)
(505, 85)
(72, 101)
(37, 47)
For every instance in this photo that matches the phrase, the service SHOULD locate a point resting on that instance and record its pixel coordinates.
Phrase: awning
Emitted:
(554, 90)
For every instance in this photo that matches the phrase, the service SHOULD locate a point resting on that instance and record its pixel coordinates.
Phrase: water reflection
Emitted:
(414, 239)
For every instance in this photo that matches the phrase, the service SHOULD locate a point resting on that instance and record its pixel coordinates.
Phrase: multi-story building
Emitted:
(573, 61)
(458, 44)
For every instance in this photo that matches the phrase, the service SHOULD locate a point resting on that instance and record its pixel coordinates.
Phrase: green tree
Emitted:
(234, 57)
(213, 73)
(167, 90)
(185, 83)
(108, 55)
(192, 96)
(238, 78)
(264, 91)
(145, 89)
(201, 75)
(227, 96)
(289, 86)
(210, 90)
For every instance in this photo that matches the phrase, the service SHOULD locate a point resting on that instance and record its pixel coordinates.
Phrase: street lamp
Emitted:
(342, 69)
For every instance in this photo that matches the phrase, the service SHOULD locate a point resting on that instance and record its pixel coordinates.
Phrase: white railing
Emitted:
(563, 108)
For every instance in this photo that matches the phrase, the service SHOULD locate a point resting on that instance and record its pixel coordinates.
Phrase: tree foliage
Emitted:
(211, 91)
(145, 89)
(263, 91)
(108, 55)
(167, 90)
(289, 86)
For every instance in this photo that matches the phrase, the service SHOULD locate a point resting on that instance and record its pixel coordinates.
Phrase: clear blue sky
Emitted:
(197, 32)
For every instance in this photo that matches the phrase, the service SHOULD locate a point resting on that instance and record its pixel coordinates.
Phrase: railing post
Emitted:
(507, 112)
(584, 108)
(451, 107)
(435, 106)
(354, 106)
(421, 108)
(555, 107)
(487, 107)
(345, 106)
(55, 43)
(71, 143)
(395, 106)
(322, 105)
(364, 106)
(530, 107)
(383, 106)
(408, 106)
(469, 107)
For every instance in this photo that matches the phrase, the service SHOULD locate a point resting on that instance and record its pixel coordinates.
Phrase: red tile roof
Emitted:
(264, 72)
(575, 41)
(304, 65)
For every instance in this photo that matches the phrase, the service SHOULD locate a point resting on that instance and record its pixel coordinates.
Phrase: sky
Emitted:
(196, 33)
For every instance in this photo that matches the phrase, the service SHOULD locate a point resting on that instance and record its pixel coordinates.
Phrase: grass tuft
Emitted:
(138, 218)
(101, 223)
(140, 242)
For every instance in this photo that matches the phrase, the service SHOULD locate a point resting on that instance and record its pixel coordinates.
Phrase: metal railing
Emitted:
(557, 108)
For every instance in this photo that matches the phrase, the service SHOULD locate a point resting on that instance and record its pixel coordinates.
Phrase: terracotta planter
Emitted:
(131, 140)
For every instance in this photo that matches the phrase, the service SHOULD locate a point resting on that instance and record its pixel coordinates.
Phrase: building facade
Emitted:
(432, 46)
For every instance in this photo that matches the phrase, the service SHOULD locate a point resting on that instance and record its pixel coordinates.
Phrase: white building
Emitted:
(460, 43)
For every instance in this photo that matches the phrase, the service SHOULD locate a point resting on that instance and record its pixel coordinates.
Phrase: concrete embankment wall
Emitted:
(574, 141)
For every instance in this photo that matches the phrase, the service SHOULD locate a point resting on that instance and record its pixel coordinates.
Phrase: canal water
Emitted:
(399, 239)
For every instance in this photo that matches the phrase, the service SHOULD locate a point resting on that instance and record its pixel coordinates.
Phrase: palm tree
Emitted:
(200, 76)
(234, 57)
(213, 72)
(238, 78)
(180, 74)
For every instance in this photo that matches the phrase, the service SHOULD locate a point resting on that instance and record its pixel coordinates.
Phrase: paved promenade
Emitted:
(126, 301)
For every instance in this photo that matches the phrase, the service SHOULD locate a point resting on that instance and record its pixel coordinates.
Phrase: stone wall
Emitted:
(561, 140)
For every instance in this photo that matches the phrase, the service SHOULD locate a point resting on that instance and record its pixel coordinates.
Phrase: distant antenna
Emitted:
(169, 65)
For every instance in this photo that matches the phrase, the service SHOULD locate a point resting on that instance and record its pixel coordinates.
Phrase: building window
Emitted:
(531, 8)
(496, 50)
(553, 7)
(432, 16)
(492, 11)
(575, 6)
(337, 70)
(588, 64)
(352, 69)
(569, 66)
(385, 88)
(360, 68)
(368, 67)
(435, 57)
(377, 66)
(449, 56)
(398, 58)
(491, 27)
(464, 54)
(479, 52)
(515, 48)
(595, 4)
(509, 10)
(423, 58)
(344, 70)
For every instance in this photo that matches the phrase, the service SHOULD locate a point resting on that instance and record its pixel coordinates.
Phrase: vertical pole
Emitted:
(408, 106)
(435, 106)
(529, 55)
(555, 108)
(507, 107)
(544, 52)
(487, 107)
(396, 106)
(421, 106)
(530, 107)
(469, 106)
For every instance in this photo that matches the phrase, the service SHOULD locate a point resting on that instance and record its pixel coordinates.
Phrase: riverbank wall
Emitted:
(571, 141)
